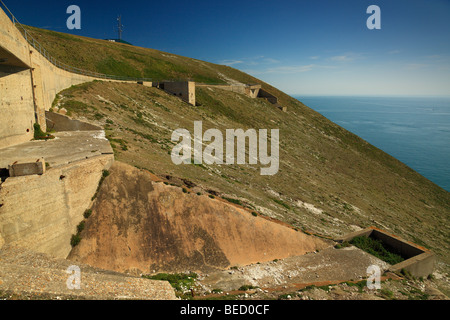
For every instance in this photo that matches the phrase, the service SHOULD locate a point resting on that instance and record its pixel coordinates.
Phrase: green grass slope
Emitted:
(330, 181)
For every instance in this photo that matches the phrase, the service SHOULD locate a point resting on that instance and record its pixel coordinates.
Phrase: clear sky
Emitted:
(304, 47)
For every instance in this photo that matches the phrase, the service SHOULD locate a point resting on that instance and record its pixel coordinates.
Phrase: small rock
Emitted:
(338, 291)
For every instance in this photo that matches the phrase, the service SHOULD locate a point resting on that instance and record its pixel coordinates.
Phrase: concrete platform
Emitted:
(67, 147)
(327, 266)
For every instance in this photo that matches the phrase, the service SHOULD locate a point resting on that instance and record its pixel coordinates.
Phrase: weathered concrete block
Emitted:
(146, 83)
(253, 90)
(421, 265)
(183, 89)
(27, 168)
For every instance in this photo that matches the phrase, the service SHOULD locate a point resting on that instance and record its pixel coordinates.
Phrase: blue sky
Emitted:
(310, 47)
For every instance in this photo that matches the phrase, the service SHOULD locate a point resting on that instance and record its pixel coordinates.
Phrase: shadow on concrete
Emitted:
(61, 123)
(7, 70)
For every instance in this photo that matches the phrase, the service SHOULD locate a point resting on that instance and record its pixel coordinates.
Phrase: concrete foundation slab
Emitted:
(420, 262)
(67, 147)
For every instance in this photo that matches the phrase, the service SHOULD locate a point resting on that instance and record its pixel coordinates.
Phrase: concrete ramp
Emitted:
(141, 225)
(38, 276)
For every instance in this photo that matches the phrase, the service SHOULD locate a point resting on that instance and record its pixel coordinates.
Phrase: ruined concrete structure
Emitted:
(41, 212)
(185, 90)
(57, 180)
(419, 261)
(57, 197)
(271, 98)
(59, 183)
(58, 186)
(251, 90)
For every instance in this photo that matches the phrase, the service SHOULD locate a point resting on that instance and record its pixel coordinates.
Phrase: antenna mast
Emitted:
(119, 27)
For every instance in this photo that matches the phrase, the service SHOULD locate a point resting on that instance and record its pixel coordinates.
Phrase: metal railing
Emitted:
(36, 45)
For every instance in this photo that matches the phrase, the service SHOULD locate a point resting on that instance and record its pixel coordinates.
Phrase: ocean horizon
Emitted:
(414, 130)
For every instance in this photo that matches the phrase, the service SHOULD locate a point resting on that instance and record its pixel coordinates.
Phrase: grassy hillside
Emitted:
(122, 59)
(330, 181)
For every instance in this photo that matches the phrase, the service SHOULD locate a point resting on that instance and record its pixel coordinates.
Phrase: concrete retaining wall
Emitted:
(249, 90)
(266, 95)
(29, 84)
(12, 43)
(54, 205)
(48, 80)
(17, 114)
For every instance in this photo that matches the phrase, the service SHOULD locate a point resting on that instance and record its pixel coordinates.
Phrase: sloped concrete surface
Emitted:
(137, 224)
(67, 147)
(27, 273)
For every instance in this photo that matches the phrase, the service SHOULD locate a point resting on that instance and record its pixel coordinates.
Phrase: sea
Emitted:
(415, 130)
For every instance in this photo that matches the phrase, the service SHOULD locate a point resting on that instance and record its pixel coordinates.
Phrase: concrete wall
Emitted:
(233, 88)
(271, 98)
(12, 43)
(146, 83)
(28, 85)
(48, 80)
(16, 88)
(54, 205)
(183, 89)
(266, 95)
(250, 90)
(17, 114)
